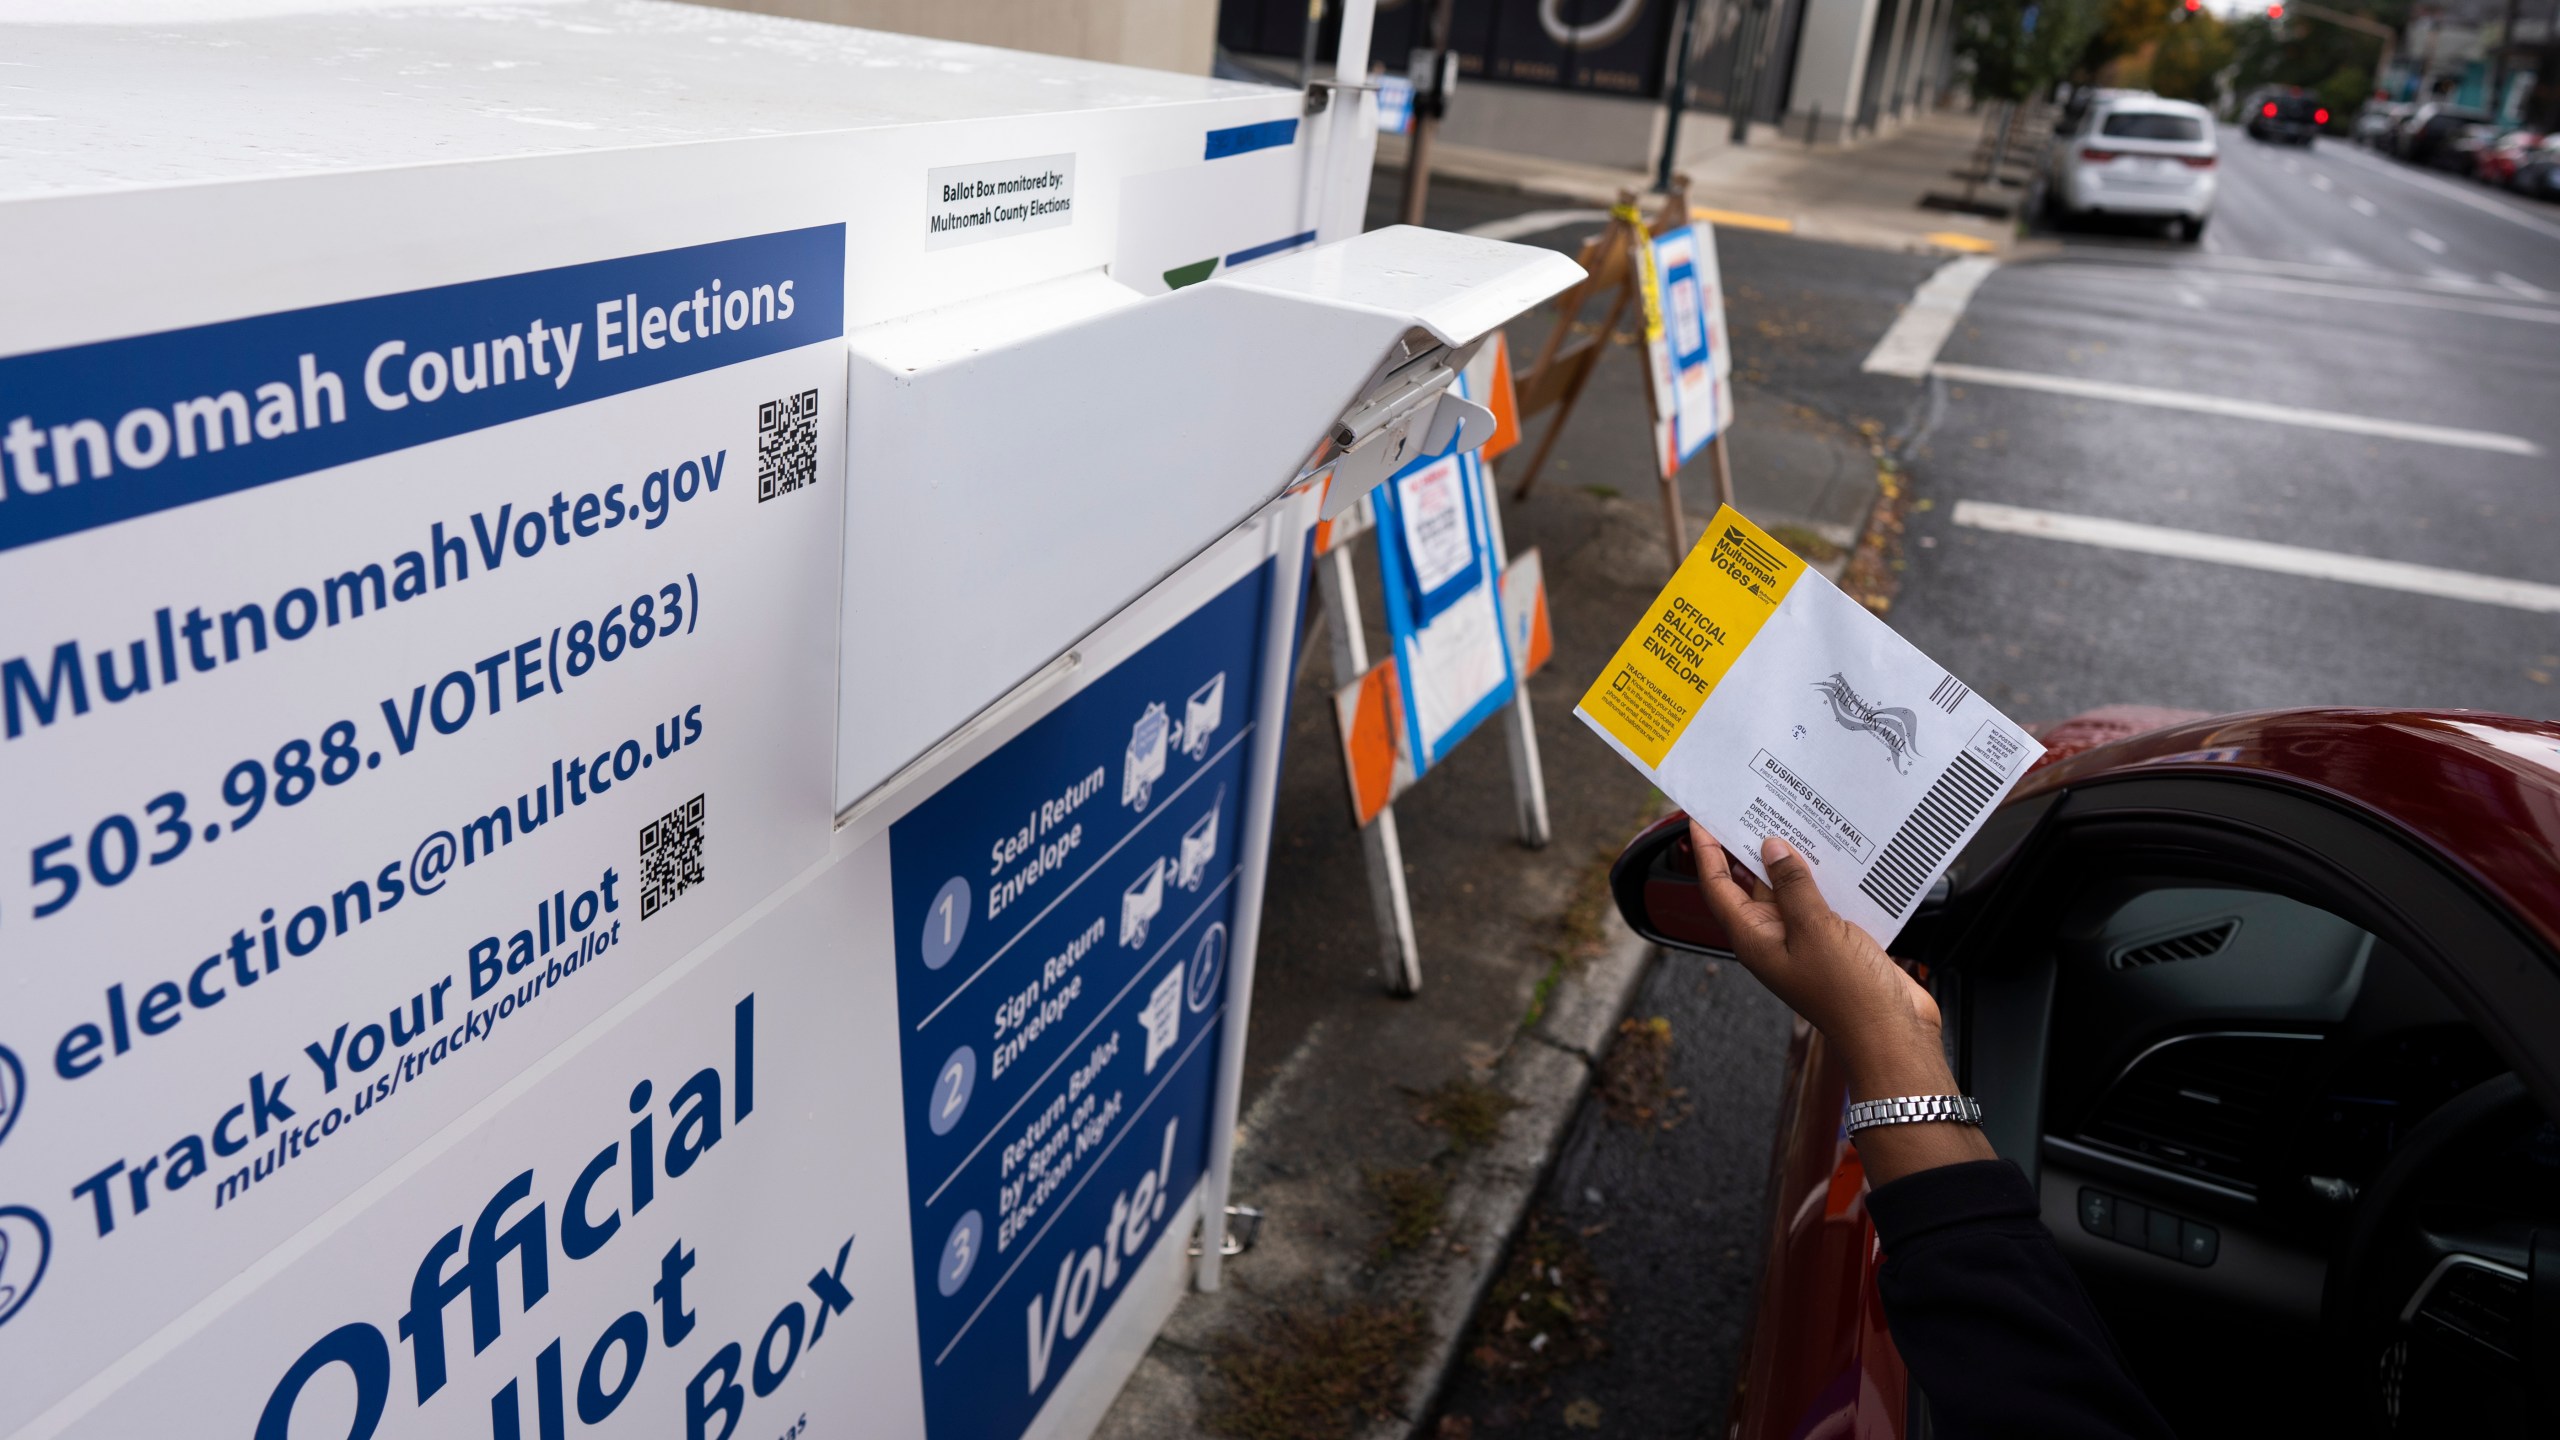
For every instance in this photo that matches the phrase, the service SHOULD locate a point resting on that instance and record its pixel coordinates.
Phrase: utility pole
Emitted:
(1739, 96)
(1430, 102)
(1684, 26)
(2498, 64)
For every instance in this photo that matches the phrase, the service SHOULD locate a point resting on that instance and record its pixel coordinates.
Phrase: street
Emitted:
(2339, 287)
(2051, 559)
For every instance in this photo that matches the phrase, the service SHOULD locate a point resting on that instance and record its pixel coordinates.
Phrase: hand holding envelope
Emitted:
(1767, 703)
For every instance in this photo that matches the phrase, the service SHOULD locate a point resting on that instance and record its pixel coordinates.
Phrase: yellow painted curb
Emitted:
(1958, 240)
(1743, 220)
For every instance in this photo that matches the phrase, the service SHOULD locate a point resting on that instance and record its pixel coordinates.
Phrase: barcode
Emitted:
(786, 445)
(1949, 694)
(1942, 817)
(670, 856)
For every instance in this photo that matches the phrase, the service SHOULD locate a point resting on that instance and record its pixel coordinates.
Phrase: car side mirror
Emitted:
(1655, 882)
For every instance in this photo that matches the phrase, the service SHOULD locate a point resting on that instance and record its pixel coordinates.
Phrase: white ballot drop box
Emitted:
(638, 704)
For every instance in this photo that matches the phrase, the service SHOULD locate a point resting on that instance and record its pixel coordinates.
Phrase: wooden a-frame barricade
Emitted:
(1615, 266)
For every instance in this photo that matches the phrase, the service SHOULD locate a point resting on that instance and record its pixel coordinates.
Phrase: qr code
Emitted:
(670, 856)
(786, 444)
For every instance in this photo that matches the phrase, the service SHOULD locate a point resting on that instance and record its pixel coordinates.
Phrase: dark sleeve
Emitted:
(1989, 1317)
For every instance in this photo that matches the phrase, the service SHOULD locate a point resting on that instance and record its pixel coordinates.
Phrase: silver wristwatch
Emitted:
(1913, 1110)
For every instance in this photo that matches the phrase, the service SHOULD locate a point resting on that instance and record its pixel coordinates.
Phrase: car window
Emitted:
(2149, 125)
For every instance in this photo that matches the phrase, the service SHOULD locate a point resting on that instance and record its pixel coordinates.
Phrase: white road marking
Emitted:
(2344, 267)
(2525, 288)
(2426, 242)
(2191, 297)
(2374, 294)
(2361, 205)
(2237, 409)
(2473, 196)
(2260, 555)
(1536, 222)
(1913, 342)
(2319, 181)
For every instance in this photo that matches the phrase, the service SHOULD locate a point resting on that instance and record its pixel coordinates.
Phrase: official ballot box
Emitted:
(641, 673)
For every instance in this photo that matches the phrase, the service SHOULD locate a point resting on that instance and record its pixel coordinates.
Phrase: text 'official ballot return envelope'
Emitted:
(1766, 702)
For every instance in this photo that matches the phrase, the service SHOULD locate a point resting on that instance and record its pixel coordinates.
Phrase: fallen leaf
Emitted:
(1583, 1414)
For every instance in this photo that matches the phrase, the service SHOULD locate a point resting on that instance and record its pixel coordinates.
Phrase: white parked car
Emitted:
(2136, 155)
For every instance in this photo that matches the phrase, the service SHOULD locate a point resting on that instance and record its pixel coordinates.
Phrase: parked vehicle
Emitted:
(2538, 172)
(2499, 162)
(2375, 122)
(2283, 115)
(2268, 1009)
(2136, 155)
(2076, 109)
(2431, 129)
(2461, 155)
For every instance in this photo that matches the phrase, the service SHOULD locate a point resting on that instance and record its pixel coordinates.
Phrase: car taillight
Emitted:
(2198, 162)
(2319, 117)
(2097, 154)
(2268, 109)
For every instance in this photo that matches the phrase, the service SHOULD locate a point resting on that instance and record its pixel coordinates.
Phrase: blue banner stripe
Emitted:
(1245, 139)
(95, 434)
(1272, 247)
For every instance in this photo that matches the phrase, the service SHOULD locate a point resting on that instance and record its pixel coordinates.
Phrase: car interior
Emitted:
(2291, 1163)
(2267, 1064)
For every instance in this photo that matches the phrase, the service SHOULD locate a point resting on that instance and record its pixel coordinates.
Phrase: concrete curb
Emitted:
(1548, 1069)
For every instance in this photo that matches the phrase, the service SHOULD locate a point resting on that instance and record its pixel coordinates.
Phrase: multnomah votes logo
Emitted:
(1896, 728)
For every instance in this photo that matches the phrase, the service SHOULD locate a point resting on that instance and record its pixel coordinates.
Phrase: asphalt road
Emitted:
(1669, 1222)
(2331, 284)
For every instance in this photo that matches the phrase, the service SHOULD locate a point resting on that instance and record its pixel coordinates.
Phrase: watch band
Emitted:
(1912, 1110)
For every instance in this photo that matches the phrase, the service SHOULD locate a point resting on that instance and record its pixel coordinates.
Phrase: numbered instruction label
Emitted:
(1062, 918)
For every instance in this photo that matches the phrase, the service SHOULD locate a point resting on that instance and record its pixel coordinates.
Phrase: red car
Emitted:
(2268, 1008)
(2501, 162)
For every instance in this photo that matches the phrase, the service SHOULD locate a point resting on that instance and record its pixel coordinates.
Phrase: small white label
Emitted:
(1435, 524)
(966, 203)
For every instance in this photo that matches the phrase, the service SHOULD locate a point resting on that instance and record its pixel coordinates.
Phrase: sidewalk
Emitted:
(1395, 1146)
(1866, 194)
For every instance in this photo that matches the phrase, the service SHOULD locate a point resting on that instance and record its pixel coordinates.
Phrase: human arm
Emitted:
(1982, 1306)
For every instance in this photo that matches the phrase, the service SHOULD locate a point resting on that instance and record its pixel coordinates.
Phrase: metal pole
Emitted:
(1350, 131)
(1746, 67)
(1676, 98)
(1381, 847)
(1307, 43)
(1520, 727)
(1428, 101)
(1290, 521)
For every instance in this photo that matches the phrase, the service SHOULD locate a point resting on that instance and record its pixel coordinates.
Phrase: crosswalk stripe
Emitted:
(2237, 409)
(1536, 222)
(2260, 555)
(1922, 329)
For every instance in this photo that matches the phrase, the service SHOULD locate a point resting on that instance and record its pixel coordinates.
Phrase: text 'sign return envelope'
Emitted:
(1766, 702)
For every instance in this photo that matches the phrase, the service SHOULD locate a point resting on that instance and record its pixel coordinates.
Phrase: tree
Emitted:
(2331, 59)
(2125, 28)
(2191, 58)
(2019, 48)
